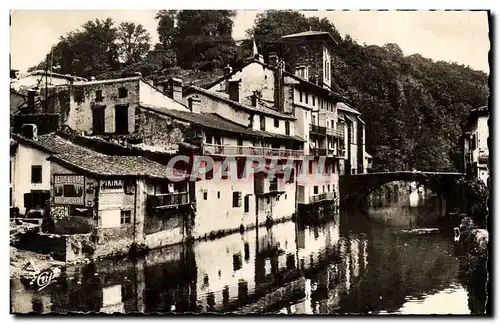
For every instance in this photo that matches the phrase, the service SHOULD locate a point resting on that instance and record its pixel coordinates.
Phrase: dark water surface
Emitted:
(359, 263)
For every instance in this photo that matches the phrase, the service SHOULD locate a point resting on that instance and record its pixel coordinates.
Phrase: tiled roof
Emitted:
(344, 107)
(312, 34)
(259, 109)
(215, 121)
(57, 75)
(96, 163)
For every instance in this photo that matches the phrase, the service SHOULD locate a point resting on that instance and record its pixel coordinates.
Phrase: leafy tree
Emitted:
(201, 39)
(86, 52)
(272, 24)
(133, 42)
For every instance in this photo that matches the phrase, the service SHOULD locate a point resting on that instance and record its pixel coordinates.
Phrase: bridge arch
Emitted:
(353, 188)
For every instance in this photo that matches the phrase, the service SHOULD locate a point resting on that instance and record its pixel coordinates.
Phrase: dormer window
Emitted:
(122, 92)
(98, 96)
(302, 72)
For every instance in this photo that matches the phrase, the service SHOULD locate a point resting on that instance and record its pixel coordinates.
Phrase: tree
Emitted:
(201, 39)
(271, 25)
(166, 27)
(87, 52)
(133, 42)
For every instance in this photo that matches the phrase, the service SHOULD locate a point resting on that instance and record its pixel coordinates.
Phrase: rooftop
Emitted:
(344, 107)
(258, 108)
(312, 35)
(135, 78)
(89, 161)
(57, 75)
(215, 121)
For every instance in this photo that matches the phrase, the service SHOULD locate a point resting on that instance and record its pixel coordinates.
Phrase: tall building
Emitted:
(475, 144)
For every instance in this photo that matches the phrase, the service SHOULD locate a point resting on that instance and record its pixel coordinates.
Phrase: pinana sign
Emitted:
(108, 185)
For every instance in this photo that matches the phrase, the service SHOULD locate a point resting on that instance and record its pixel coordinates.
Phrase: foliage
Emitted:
(201, 39)
(413, 107)
(133, 42)
(86, 52)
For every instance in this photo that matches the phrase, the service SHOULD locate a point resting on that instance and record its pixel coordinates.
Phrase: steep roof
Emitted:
(215, 121)
(57, 75)
(344, 107)
(89, 161)
(320, 35)
(258, 108)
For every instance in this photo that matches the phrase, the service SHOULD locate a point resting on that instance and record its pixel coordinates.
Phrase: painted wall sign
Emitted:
(111, 185)
(69, 190)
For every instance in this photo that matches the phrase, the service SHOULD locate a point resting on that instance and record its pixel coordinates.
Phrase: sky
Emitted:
(453, 36)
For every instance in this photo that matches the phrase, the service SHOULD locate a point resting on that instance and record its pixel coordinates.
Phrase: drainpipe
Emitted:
(135, 210)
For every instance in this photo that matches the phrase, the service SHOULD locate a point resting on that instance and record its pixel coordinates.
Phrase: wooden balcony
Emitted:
(321, 197)
(169, 200)
(326, 131)
(237, 150)
(327, 152)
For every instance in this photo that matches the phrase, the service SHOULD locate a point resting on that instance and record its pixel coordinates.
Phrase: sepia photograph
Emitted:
(250, 162)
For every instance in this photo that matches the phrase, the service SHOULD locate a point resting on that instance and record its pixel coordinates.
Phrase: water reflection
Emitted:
(359, 262)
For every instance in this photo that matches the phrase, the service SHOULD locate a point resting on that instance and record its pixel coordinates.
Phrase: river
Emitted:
(359, 262)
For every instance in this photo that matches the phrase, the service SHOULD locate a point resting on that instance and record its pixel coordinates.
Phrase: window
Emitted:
(315, 190)
(323, 188)
(98, 113)
(287, 127)
(121, 119)
(262, 123)
(310, 167)
(36, 174)
(307, 98)
(247, 204)
(236, 199)
(210, 174)
(332, 123)
(328, 188)
(314, 100)
(300, 95)
(313, 120)
(218, 194)
(240, 169)
(122, 92)
(98, 96)
(79, 95)
(205, 195)
(125, 216)
(276, 122)
(208, 139)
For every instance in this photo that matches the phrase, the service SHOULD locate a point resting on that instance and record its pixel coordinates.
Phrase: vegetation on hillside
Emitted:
(413, 107)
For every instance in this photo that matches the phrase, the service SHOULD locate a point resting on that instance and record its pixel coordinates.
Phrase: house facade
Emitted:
(475, 143)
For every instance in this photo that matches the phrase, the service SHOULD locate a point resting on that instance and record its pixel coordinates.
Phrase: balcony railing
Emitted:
(237, 150)
(170, 200)
(321, 197)
(273, 187)
(327, 131)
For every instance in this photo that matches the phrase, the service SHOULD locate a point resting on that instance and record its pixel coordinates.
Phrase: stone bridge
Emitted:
(353, 188)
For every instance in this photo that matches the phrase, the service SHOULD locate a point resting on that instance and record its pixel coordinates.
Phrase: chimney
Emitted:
(31, 98)
(254, 99)
(279, 91)
(259, 57)
(174, 89)
(273, 59)
(29, 131)
(234, 90)
(194, 104)
(228, 70)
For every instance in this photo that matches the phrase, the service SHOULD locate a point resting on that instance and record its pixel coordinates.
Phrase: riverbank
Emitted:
(19, 258)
